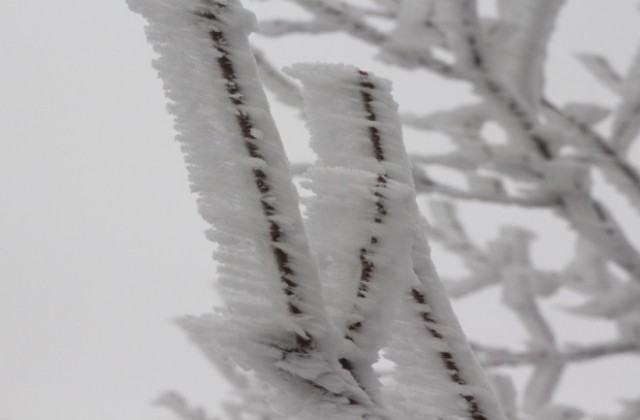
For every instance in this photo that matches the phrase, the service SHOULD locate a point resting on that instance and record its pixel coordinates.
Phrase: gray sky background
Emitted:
(100, 243)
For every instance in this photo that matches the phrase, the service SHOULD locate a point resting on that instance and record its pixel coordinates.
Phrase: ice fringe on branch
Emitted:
(275, 322)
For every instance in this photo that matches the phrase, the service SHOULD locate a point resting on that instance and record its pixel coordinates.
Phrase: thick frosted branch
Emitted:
(454, 385)
(239, 170)
(355, 133)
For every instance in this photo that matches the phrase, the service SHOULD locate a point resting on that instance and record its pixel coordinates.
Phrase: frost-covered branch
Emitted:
(312, 316)
(353, 140)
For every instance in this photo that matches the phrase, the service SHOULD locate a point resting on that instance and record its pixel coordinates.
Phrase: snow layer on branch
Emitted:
(275, 321)
(520, 56)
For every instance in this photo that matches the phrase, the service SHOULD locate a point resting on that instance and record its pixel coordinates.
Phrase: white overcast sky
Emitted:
(100, 243)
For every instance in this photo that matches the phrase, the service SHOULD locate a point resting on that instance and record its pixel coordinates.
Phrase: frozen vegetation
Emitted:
(314, 299)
